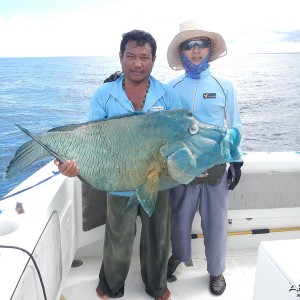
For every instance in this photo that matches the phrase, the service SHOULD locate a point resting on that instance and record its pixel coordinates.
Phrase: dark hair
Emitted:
(141, 37)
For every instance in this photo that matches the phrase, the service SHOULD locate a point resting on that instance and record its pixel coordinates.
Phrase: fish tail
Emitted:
(47, 148)
(29, 153)
(230, 144)
(25, 155)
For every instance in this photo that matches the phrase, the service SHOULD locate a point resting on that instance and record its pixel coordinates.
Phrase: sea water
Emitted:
(42, 93)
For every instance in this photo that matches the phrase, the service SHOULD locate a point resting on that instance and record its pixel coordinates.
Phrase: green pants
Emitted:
(154, 245)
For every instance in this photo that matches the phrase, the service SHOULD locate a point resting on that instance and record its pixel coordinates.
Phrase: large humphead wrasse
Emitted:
(139, 152)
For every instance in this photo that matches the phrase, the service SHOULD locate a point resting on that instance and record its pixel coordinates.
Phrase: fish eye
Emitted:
(193, 129)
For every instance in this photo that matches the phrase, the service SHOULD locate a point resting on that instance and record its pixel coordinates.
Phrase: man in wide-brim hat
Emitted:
(213, 100)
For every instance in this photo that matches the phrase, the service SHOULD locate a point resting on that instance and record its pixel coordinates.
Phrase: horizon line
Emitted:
(65, 56)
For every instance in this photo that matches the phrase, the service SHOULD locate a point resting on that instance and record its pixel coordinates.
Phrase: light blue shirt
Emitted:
(110, 100)
(211, 98)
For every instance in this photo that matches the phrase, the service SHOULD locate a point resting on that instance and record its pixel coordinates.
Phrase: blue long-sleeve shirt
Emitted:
(211, 98)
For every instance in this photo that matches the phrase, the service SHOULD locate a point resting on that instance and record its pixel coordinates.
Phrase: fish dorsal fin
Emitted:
(147, 192)
(71, 127)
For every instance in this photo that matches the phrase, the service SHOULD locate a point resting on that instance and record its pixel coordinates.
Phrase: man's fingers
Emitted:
(56, 162)
(68, 168)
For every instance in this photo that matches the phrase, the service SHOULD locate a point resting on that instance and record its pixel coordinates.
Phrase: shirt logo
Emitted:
(209, 95)
(156, 108)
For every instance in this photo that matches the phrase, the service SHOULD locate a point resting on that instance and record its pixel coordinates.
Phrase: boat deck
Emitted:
(192, 281)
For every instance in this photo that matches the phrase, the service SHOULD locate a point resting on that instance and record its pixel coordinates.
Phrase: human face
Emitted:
(137, 62)
(196, 54)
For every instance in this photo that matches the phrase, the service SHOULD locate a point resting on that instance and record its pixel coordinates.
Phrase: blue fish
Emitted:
(140, 152)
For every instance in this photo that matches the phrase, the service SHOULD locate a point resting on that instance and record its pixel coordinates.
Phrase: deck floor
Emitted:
(192, 281)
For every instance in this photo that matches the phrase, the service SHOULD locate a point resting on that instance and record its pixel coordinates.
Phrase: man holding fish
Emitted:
(136, 90)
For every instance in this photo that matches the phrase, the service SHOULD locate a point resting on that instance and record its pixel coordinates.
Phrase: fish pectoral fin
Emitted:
(147, 192)
(181, 165)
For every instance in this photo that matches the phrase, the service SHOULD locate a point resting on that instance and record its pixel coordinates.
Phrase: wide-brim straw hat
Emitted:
(190, 30)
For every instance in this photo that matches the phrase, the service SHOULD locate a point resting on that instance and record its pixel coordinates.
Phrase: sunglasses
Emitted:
(188, 45)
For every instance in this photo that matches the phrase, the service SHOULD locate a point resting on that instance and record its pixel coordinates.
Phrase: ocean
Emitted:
(42, 93)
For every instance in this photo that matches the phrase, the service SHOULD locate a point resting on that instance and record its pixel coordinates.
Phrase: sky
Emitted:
(34, 28)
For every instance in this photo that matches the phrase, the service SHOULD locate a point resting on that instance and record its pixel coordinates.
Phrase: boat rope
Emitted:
(35, 264)
(30, 187)
(254, 231)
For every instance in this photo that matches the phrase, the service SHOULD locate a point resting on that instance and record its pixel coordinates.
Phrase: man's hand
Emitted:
(68, 168)
(234, 174)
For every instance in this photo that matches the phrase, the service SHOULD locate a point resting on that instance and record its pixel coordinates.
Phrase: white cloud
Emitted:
(252, 26)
